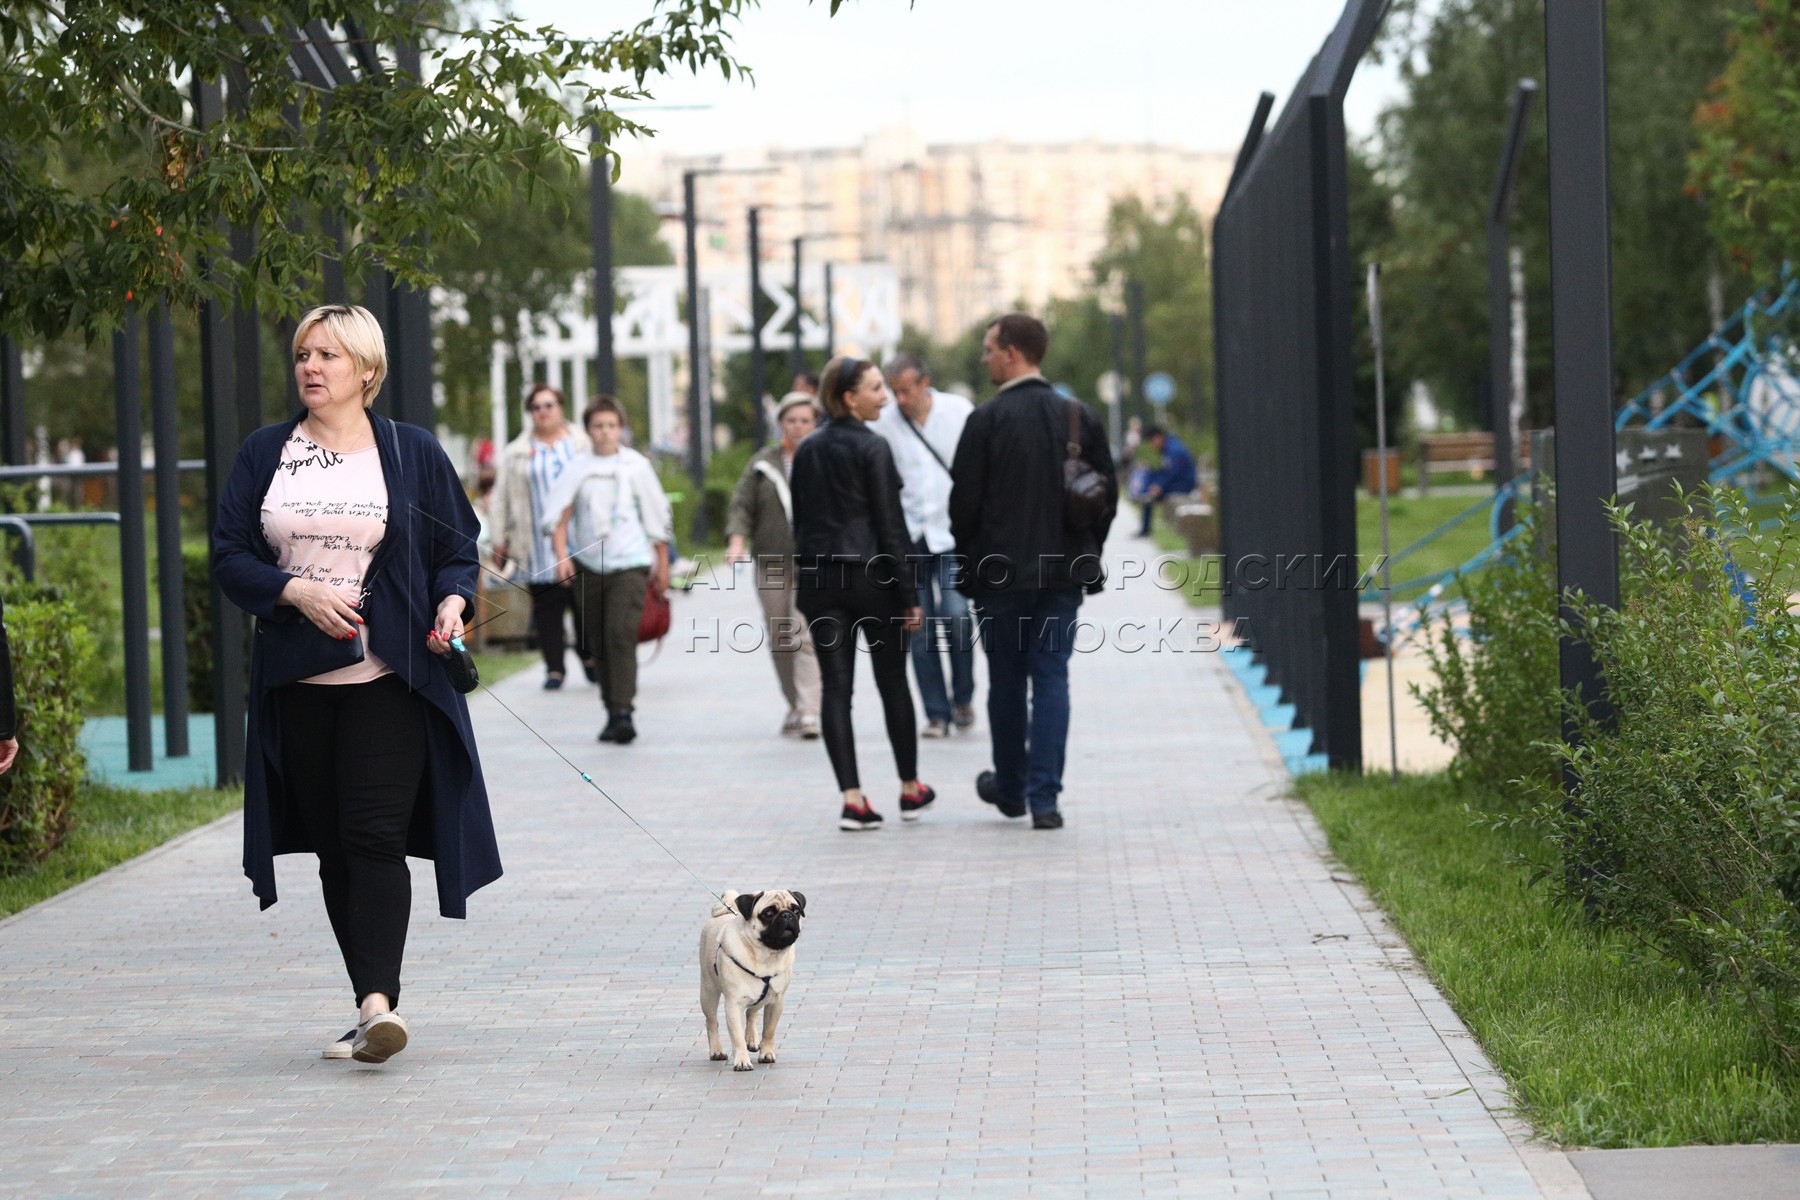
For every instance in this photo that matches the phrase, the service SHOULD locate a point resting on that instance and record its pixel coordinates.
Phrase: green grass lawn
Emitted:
(498, 665)
(1601, 1047)
(112, 825)
(1409, 519)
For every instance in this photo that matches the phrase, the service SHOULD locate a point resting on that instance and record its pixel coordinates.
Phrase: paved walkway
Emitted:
(1175, 994)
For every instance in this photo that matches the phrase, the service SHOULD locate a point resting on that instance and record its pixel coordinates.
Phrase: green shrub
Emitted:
(82, 563)
(52, 654)
(1494, 696)
(1684, 830)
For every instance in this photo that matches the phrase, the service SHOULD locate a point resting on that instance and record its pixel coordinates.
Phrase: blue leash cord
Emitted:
(456, 643)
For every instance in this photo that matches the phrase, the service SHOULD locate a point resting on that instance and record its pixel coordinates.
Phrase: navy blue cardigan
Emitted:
(427, 553)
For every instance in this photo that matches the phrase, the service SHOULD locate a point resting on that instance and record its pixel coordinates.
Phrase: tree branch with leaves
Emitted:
(114, 189)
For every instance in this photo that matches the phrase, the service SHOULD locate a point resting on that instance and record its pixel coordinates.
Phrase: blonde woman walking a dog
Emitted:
(349, 538)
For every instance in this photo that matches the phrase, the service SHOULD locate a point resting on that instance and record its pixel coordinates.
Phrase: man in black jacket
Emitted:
(1022, 564)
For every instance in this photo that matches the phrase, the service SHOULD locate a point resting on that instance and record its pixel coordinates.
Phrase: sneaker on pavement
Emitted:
(858, 820)
(1047, 820)
(912, 806)
(552, 682)
(791, 726)
(624, 732)
(963, 717)
(935, 729)
(809, 728)
(611, 732)
(342, 1047)
(379, 1038)
(987, 786)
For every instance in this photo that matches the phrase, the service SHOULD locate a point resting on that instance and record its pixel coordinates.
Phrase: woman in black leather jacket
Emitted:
(853, 574)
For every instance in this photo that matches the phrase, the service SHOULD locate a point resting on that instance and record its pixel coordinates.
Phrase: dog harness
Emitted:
(767, 980)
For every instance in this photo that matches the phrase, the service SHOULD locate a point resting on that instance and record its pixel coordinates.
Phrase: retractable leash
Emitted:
(456, 644)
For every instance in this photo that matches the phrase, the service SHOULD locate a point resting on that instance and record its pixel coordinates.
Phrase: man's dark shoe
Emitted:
(987, 786)
(611, 732)
(624, 732)
(1047, 820)
(591, 669)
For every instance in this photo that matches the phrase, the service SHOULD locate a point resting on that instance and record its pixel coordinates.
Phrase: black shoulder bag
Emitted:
(1084, 488)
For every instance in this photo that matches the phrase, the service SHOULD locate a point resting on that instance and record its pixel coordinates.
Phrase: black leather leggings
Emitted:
(836, 615)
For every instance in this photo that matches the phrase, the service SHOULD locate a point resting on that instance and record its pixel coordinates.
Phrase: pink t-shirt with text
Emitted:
(323, 516)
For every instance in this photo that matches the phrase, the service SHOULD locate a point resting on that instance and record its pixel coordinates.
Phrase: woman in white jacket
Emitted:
(610, 523)
(530, 465)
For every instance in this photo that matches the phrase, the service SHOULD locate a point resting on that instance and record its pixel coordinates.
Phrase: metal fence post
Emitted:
(1581, 324)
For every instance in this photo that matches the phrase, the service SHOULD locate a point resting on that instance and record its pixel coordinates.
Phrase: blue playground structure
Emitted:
(1741, 384)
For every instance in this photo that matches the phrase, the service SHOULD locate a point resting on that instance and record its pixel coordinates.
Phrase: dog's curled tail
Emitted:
(728, 906)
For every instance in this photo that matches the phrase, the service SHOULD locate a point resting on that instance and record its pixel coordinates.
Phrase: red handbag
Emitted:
(653, 626)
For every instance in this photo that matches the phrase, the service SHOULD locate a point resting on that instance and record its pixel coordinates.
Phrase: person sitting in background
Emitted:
(762, 511)
(1176, 477)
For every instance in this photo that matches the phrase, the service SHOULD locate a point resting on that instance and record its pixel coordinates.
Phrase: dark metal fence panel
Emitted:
(1287, 448)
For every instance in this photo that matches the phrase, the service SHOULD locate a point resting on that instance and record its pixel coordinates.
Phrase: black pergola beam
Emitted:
(134, 589)
(219, 423)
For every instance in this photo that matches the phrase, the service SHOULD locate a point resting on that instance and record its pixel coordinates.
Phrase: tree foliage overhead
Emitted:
(1437, 151)
(1748, 159)
(113, 187)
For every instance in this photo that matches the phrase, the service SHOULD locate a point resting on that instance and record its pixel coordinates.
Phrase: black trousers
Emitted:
(548, 603)
(353, 757)
(836, 612)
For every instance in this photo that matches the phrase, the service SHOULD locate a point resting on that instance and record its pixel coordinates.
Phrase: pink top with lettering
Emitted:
(323, 516)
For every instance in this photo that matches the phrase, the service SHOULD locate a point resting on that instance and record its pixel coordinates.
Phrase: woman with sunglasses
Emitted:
(529, 468)
(855, 577)
(341, 522)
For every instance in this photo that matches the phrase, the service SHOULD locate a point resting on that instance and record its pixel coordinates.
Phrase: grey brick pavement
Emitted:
(1172, 995)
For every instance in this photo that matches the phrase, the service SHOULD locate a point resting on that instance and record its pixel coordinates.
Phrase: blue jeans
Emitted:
(947, 627)
(1029, 635)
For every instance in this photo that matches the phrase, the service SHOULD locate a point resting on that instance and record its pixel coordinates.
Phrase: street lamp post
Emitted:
(798, 354)
(759, 428)
(696, 445)
(1500, 297)
(600, 236)
(830, 319)
(690, 221)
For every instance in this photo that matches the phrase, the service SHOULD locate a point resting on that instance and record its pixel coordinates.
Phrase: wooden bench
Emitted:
(1469, 453)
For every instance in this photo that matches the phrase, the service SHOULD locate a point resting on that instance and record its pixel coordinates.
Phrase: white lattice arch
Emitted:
(865, 313)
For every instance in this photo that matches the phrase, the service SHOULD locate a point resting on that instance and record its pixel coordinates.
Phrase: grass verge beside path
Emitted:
(492, 667)
(112, 825)
(1600, 1047)
(1409, 519)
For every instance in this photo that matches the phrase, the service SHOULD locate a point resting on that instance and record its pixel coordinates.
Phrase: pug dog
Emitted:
(746, 960)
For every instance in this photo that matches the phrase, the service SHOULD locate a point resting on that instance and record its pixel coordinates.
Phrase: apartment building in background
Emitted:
(971, 228)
